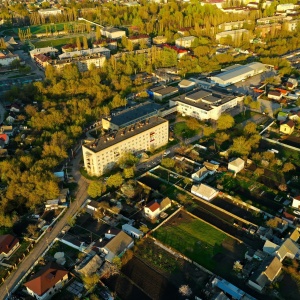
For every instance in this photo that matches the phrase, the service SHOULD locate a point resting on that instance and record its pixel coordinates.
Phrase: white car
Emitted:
(296, 212)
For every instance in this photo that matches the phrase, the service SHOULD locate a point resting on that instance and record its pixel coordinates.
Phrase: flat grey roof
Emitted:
(123, 134)
(196, 96)
(238, 71)
(134, 113)
(214, 99)
(164, 90)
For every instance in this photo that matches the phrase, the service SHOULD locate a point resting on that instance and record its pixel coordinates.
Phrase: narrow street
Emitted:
(39, 248)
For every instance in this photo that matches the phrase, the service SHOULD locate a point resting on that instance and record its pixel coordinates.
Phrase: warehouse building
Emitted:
(102, 154)
(238, 74)
(162, 92)
(131, 115)
(205, 104)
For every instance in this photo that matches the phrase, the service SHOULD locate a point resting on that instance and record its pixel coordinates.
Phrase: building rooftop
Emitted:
(85, 52)
(205, 99)
(119, 243)
(164, 90)
(46, 278)
(135, 113)
(123, 134)
(7, 242)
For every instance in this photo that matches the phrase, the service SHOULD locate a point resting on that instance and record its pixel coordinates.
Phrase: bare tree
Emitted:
(185, 290)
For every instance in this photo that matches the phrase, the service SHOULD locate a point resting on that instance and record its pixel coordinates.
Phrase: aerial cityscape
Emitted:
(150, 150)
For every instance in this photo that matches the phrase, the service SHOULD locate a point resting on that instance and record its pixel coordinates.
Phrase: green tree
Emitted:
(117, 262)
(115, 180)
(91, 280)
(128, 172)
(85, 43)
(287, 167)
(193, 124)
(168, 163)
(96, 189)
(143, 228)
(225, 122)
(127, 160)
(250, 128)
(221, 137)
(241, 146)
(78, 43)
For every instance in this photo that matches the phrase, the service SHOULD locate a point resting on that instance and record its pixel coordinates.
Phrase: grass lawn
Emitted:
(182, 130)
(36, 29)
(195, 239)
(244, 116)
(56, 42)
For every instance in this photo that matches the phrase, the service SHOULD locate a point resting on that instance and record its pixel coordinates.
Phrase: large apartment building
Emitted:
(102, 154)
(205, 104)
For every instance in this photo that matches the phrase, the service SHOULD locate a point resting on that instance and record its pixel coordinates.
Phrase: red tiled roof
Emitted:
(153, 206)
(42, 57)
(141, 36)
(297, 197)
(7, 242)
(290, 123)
(288, 216)
(46, 278)
(3, 136)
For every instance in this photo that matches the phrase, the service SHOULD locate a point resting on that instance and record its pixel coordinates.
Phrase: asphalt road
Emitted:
(81, 196)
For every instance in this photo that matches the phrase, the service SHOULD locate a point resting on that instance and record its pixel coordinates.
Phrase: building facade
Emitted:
(102, 154)
(205, 104)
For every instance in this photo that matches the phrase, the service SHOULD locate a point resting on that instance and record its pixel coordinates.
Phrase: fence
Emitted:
(281, 144)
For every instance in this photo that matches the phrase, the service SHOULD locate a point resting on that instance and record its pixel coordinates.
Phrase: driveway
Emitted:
(81, 196)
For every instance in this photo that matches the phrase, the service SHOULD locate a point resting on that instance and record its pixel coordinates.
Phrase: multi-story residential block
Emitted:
(137, 39)
(158, 40)
(274, 19)
(205, 104)
(102, 154)
(113, 33)
(49, 51)
(84, 63)
(86, 52)
(185, 42)
(232, 33)
(265, 29)
(233, 25)
(49, 12)
(131, 115)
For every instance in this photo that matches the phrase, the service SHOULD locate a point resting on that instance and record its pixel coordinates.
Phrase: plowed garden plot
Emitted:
(201, 242)
(236, 210)
(141, 282)
(237, 232)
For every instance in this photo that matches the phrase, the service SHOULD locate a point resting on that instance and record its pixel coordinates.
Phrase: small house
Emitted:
(155, 207)
(288, 249)
(212, 166)
(185, 42)
(132, 231)
(275, 95)
(92, 206)
(295, 235)
(295, 116)
(201, 174)
(270, 247)
(204, 191)
(287, 127)
(282, 116)
(4, 138)
(51, 204)
(8, 244)
(117, 246)
(296, 202)
(47, 282)
(236, 165)
(267, 272)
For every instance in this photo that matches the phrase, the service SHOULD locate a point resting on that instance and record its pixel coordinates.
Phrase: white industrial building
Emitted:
(113, 33)
(7, 58)
(238, 74)
(205, 104)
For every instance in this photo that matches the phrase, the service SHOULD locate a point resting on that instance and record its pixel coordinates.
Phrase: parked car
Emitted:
(166, 153)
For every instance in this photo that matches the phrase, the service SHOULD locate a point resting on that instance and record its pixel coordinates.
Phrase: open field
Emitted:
(200, 242)
(37, 29)
(55, 42)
